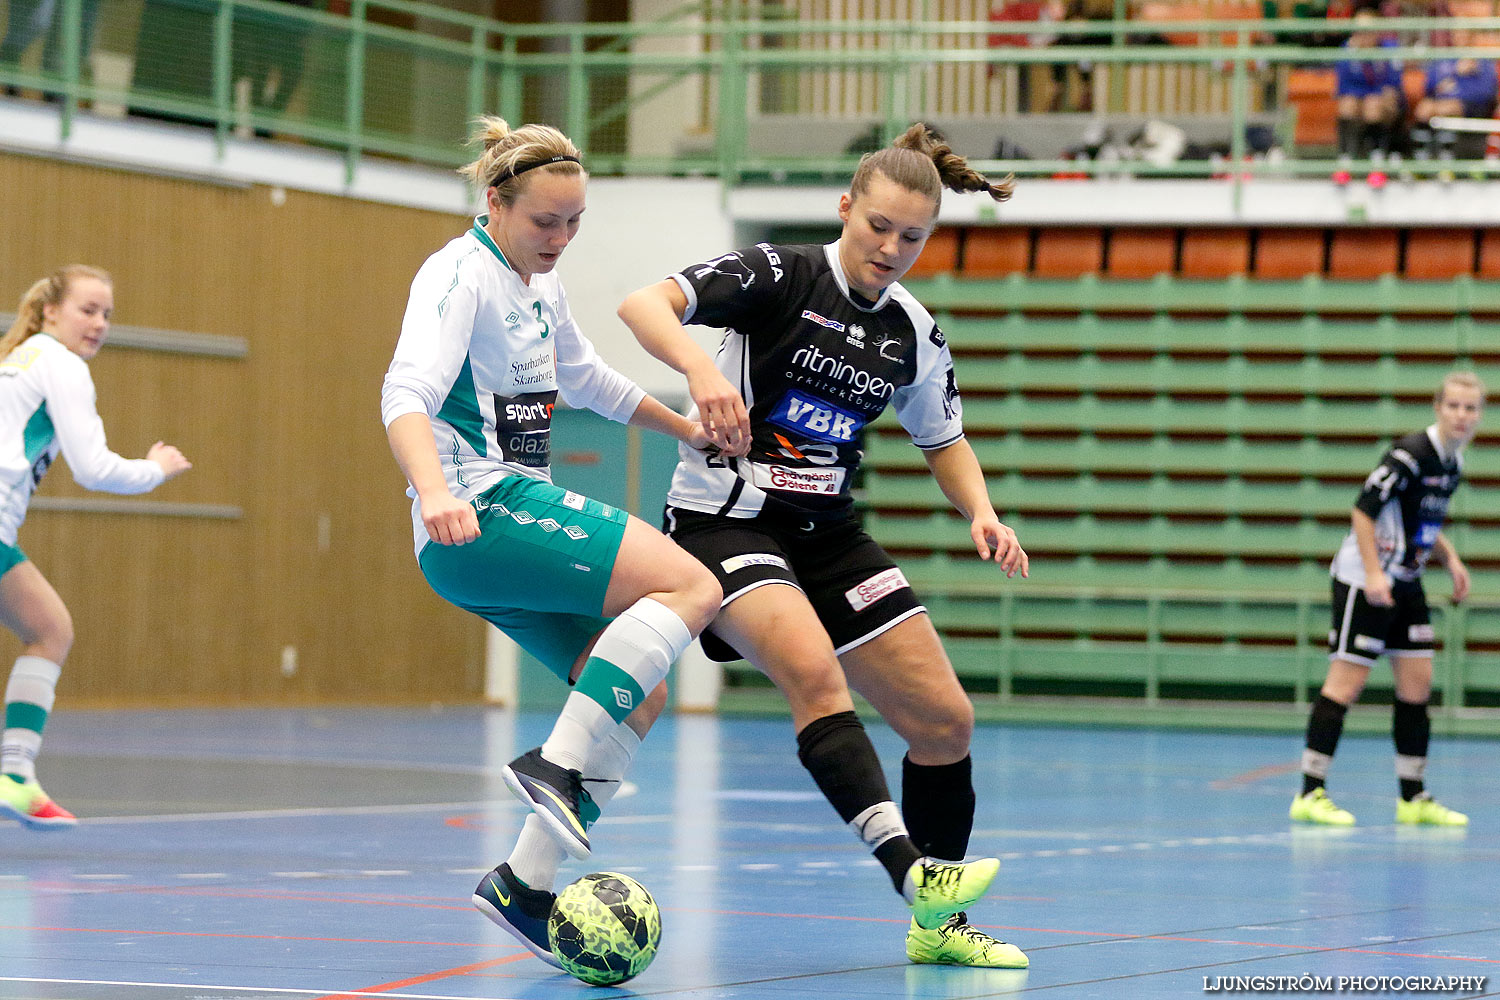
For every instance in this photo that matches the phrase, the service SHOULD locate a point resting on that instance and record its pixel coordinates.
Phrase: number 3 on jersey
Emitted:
(536, 307)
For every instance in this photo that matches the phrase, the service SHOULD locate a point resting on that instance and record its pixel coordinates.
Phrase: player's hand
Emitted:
(1378, 592)
(1460, 574)
(169, 458)
(698, 437)
(449, 521)
(722, 411)
(989, 534)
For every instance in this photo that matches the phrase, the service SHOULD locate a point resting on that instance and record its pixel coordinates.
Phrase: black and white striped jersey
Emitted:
(815, 363)
(1407, 497)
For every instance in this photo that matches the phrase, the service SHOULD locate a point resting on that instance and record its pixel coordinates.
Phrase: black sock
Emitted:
(1412, 731)
(838, 754)
(1324, 727)
(1349, 136)
(938, 803)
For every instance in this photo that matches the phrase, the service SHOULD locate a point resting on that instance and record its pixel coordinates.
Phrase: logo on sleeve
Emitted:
(950, 395)
(731, 265)
(816, 418)
(937, 338)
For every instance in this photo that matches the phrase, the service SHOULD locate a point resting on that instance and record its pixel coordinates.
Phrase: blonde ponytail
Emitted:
(506, 153)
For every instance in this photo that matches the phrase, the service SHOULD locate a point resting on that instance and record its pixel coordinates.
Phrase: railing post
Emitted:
(731, 100)
(72, 43)
(354, 89)
(508, 101)
(576, 115)
(477, 65)
(1239, 107)
(223, 86)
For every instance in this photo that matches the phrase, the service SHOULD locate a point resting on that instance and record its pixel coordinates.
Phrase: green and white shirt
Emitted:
(47, 405)
(484, 356)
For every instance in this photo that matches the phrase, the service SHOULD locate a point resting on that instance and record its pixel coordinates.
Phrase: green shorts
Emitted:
(539, 569)
(10, 557)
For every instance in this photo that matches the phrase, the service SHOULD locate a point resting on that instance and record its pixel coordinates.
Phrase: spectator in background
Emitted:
(1369, 96)
(270, 55)
(1030, 11)
(1465, 88)
(28, 20)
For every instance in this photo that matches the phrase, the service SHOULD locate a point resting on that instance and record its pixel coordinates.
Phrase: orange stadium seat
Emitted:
(1489, 254)
(1311, 92)
(1215, 253)
(1288, 253)
(1362, 254)
(994, 252)
(1439, 254)
(1142, 253)
(1166, 10)
(940, 256)
(1068, 253)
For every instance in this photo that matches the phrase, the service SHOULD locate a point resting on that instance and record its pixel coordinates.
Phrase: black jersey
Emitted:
(1407, 497)
(815, 364)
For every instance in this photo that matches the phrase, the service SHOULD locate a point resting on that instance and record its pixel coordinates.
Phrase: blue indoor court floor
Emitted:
(331, 853)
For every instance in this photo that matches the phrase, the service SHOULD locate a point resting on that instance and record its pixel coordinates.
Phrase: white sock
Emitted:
(631, 657)
(29, 696)
(537, 854)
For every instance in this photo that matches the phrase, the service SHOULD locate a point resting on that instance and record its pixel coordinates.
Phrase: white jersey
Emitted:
(483, 355)
(47, 405)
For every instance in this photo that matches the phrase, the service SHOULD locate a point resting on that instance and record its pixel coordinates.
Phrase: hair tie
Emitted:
(517, 171)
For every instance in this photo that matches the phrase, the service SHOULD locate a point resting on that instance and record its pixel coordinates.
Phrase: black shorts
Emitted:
(1361, 631)
(852, 584)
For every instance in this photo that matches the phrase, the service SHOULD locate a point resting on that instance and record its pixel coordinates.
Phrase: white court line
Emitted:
(299, 811)
(483, 804)
(242, 989)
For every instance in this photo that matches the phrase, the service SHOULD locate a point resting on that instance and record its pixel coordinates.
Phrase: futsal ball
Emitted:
(604, 928)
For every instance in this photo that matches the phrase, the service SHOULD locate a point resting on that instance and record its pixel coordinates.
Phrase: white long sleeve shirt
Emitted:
(483, 355)
(47, 405)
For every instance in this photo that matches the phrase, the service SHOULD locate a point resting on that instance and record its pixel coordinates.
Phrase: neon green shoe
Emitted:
(956, 942)
(943, 888)
(1424, 810)
(32, 806)
(1317, 807)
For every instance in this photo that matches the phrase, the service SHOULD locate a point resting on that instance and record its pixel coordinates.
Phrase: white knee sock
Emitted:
(537, 854)
(29, 696)
(631, 657)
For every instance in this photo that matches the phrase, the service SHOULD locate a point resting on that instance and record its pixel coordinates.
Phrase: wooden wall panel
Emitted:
(173, 610)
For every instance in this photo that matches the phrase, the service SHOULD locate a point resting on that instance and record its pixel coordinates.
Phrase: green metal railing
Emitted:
(364, 85)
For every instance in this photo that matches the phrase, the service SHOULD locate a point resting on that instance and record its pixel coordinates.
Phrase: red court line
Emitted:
(1250, 777)
(401, 984)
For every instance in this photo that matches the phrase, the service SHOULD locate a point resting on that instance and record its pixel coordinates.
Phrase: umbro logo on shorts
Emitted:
(576, 533)
(521, 517)
(548, 525)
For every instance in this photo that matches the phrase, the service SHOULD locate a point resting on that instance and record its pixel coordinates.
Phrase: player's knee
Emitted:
(945, 733)
(700, 596)
(55, 638)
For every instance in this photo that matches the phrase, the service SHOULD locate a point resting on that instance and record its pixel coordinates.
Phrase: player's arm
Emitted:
(959, 476)
(1377, 584)
(434, 341)
(654, 314)
(449, 520)
(654, 415)
(1447, 555)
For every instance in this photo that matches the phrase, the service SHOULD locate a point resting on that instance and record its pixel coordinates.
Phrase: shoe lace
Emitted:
(958, 926)
(936, 875)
